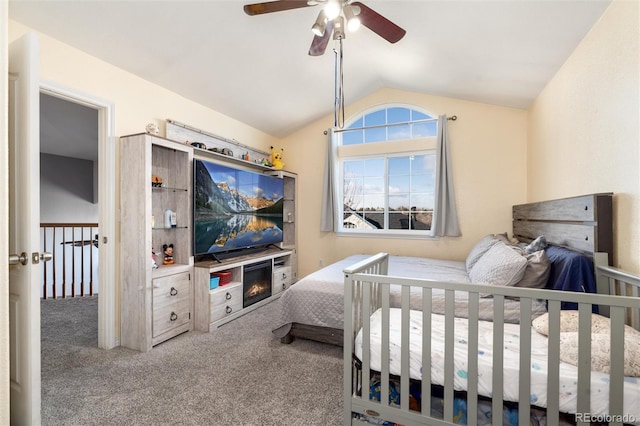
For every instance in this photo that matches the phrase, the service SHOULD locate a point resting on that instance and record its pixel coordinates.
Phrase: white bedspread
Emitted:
(318, 299)
(538, 395)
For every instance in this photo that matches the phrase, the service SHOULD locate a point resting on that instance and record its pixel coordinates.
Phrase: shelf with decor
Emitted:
(155, 240)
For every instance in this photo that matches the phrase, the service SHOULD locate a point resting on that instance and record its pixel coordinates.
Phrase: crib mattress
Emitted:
(538, 396)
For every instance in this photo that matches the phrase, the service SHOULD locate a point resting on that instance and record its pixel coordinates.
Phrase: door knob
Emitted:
(37, 257)
(14, 259)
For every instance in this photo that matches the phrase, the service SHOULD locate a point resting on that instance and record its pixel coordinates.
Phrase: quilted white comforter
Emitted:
(318, 299)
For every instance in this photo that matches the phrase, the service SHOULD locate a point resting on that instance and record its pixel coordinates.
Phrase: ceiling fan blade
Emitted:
(379, 24)
(274, 6)
(319, 43)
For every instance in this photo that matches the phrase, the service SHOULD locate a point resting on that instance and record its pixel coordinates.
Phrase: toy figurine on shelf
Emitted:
(168, 254)
(154, 256)
(276, 159)
(156, 181)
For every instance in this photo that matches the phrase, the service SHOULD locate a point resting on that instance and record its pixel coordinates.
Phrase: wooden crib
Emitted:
(367, 289)
(442, 369)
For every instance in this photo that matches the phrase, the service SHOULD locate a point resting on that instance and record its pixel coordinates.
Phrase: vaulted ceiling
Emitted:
(256, 68)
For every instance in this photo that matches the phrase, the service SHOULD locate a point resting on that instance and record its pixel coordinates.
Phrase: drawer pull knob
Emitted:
(173, 291)
(229, 309)
(284, 276)
(228, 296)
(173, 316)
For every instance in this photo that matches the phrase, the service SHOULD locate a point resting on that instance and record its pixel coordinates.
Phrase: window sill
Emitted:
(389, 235)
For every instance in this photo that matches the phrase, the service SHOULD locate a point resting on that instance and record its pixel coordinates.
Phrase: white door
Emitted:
(24, 231)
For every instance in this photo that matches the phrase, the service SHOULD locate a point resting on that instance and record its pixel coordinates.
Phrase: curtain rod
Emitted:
(426, 120)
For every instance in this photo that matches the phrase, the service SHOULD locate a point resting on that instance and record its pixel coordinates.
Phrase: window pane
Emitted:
(399, 220)
(378, 134)
(417, 115)
(421, 183)
(423, 164)
(398, 115)
(374, 167)
(353, 137)
(374, 220)
(399, 165)
(422, 130)
(375, 118)
(374, 186)
(357, 124)
(399, 184)
(353, 168)
(399, 201)
(422, 202)
(399, 132)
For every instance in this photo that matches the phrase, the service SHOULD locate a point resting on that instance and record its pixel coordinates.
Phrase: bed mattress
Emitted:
(318, 299)
(538, 395)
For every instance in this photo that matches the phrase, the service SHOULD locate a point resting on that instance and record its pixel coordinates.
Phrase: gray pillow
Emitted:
(539, 243)
(478, 250)
(537, 272)
(500, 265)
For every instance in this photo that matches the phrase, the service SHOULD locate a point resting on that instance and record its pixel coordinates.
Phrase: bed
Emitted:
(577, 363)
(313, 308)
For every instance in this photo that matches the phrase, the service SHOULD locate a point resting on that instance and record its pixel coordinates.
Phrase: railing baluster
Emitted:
(59, 278)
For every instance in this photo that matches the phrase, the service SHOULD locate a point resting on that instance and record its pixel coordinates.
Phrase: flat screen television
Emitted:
(234, 209)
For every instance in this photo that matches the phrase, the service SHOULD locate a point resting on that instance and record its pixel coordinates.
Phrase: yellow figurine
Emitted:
(276, 159)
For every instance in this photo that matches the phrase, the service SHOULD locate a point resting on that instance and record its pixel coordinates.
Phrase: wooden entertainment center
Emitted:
(159, 301)
(217, 306)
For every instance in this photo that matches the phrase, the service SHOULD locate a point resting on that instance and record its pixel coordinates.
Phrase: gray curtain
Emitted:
(445, 217)
(328, 222)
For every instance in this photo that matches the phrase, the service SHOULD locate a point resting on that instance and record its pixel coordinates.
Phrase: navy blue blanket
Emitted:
(570, 271)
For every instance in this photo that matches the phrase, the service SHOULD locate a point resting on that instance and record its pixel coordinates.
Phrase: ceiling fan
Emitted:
(331, 20)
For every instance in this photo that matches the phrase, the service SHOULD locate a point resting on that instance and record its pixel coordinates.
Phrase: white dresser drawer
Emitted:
(225, 301)
(281, 279)
(171, 302)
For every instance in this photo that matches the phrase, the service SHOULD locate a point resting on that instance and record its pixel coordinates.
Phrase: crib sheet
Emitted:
(538, 396)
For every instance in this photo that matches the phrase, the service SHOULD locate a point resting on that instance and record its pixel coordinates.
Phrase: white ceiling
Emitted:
(256, 68)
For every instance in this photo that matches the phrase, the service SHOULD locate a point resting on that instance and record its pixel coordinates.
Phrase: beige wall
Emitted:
(488, 146)
(584, 127)
(137, 101)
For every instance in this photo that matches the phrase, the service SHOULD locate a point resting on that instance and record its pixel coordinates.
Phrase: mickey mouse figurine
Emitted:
(168, 254)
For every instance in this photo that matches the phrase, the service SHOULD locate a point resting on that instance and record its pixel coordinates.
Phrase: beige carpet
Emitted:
(239, 374)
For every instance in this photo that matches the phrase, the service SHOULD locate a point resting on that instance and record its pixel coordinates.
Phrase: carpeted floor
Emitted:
(239, 374)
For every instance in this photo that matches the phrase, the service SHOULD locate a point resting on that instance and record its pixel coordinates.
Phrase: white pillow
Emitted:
(569, 323)
(601, 352)
(500, 265)
(479, 249)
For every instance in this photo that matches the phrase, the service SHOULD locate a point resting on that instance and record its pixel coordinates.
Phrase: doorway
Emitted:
(77, 131)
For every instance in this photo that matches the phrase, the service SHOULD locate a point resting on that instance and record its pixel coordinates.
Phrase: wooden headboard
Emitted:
(583, 223)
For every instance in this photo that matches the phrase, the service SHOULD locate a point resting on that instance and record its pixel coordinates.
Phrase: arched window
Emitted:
(386, 160)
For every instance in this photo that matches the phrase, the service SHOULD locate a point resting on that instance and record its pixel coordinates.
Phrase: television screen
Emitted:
(235, 208)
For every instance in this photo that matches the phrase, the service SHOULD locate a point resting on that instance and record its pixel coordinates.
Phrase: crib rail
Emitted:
(366, 292)
(73, 270)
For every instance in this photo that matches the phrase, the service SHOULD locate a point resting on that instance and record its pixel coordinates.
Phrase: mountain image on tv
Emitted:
(235, 208)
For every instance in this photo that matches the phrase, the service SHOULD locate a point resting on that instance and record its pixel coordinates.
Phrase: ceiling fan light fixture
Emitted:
(353, 22)
(332, 9)
(320, 25)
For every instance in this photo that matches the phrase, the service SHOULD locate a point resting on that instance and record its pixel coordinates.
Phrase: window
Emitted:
(386, 159)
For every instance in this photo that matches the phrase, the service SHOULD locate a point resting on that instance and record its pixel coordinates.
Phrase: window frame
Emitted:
(382, 149)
